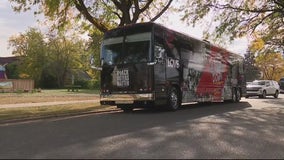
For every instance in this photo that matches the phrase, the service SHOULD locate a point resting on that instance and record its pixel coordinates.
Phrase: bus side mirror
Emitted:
(160, 54)
(92, 63)
(97, 68)
(151, 63)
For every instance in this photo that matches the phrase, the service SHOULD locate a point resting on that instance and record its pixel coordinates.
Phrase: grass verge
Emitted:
(26, 113)
(48, 96)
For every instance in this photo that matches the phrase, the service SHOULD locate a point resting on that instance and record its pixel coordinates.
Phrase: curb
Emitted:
(57, 116)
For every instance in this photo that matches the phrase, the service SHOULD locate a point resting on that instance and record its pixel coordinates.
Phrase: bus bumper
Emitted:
(114, 99)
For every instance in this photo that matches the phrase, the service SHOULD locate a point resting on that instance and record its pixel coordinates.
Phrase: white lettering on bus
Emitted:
(172, 63)
(122, 78)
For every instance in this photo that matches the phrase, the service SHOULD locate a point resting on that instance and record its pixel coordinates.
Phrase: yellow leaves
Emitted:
(249, 4)
(257, 45)
(270, 58)
(24, 76)
(271, 65)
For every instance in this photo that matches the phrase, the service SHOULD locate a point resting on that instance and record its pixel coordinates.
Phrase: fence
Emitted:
(12, 85)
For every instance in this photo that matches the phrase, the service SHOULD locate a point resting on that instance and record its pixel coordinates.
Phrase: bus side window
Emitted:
(175, 53)
(172, 51)
(186, 54)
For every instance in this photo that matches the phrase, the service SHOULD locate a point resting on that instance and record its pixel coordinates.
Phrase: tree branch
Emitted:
(124, 7)
(137, 11)
(117, 4)
(146, 6)
(83, 9)
(111, 10)
(228, 6)
(260, 22)
(162, 11)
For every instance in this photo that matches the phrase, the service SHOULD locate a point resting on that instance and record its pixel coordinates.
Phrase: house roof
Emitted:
(4, 60)
(81, 74)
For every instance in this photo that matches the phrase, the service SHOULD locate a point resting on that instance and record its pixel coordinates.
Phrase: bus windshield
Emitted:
(132, 49)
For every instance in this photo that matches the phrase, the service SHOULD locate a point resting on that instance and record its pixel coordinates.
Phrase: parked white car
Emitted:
(263, 88)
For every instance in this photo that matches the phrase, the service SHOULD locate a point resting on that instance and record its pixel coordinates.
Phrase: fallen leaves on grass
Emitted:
(8, 114)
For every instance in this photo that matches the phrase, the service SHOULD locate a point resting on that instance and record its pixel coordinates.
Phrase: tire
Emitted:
(174, 100)
(276, 94)
(236, 95)
(125, 108)
(263, 94)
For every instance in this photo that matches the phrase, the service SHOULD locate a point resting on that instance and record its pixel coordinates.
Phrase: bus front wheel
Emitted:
(174, 100)
(125, 108)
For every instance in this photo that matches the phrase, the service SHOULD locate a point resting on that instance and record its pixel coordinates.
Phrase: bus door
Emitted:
(173, 74)
(160, 72)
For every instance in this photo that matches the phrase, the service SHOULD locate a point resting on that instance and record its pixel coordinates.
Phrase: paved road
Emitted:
(253, 128)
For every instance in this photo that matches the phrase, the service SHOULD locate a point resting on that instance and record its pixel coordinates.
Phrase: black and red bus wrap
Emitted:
(147, 64)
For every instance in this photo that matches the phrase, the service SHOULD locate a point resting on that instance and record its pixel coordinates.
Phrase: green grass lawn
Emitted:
(8, 114)
(11, 114)
(50, 95)
(48, 92)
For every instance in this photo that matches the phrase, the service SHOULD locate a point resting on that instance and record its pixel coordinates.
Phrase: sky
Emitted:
(12, 23)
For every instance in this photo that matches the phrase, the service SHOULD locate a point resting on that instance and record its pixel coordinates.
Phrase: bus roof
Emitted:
(148, 27)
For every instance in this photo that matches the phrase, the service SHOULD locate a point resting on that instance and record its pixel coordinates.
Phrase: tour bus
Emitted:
(147, 64)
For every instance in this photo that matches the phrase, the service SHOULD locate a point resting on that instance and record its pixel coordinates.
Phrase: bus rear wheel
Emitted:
(236, 95)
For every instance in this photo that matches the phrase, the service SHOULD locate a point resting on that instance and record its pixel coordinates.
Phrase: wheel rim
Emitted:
(174, 100)
(238, 94)
(276, 94)
(234, 97)
(264, 94)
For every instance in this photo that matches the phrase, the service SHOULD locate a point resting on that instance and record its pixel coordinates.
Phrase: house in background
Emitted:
(3, 71)
(77, 77)
(8, 60)
(9, 73)
(12, 85)
(4, 61)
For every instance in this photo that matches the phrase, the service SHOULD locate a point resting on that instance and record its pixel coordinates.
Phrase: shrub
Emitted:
(88, 84)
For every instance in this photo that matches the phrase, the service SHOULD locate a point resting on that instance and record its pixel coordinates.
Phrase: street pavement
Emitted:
(251, 129)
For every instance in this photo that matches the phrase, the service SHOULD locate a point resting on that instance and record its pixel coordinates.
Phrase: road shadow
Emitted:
(200, 107)
(216, 130)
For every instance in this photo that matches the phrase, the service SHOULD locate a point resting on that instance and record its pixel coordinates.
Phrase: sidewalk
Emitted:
(46, 103)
